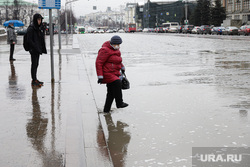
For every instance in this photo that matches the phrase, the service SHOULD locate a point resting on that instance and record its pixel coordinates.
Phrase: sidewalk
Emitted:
(55, 125)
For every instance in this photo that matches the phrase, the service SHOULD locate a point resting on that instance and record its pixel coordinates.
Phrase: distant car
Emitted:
(188, 29)
(145, 30)
(151, 30)
(91, 30)
(173, 30)
(121, 31)
(217, 30)
(21, 31)
(204, 29)
(109, 31)
(3, 33)
(244, 30)
(214, 30)
(180, 28)
(231, 31)
(195, 29)
(159, 30)
(139, 30)
(100, 31)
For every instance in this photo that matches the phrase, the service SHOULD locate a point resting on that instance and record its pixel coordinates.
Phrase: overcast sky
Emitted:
(82, 7)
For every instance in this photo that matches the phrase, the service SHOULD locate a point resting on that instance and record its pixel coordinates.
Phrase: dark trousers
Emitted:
(34, 65)
(12, 47)
(114, 91)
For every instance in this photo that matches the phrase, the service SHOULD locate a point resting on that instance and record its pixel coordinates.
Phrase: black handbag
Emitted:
(125, 82)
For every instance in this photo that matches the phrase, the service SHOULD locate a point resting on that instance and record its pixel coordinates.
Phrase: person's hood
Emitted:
(35, 17)
(107, 44)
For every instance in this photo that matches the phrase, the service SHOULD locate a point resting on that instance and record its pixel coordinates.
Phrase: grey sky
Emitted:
(82, 7)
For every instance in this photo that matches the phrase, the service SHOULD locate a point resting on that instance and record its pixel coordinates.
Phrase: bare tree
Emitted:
(6, 5)
(62, 17)
(16, 10)
(30, 12)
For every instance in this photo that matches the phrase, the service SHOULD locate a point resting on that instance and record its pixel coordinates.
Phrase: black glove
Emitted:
(99, 81)
(123, 71)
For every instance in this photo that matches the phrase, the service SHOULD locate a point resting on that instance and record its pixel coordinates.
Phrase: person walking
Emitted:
(108, 67)
(37, 47)
(11, 39)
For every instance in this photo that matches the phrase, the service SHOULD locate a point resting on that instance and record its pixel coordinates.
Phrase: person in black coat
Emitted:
(36, 40)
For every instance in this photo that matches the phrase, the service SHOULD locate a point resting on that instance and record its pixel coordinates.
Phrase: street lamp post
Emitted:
(59, 28)
(186, 11)
(71, 32)
(66, 24)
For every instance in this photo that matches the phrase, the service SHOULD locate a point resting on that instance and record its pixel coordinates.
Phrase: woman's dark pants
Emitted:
(34, 65)
(114, 91)
(12, 47)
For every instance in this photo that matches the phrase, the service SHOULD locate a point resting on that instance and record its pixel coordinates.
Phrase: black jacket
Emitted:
(35, 37)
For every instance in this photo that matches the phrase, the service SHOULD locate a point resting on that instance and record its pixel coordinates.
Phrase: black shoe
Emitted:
(40, 82)
(12, 59)
(123, 105)
(36, 83)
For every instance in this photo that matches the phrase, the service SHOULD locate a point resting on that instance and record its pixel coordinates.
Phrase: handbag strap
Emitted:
(124, 75)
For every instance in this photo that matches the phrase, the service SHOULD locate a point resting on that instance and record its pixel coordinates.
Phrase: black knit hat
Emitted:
(116, 40)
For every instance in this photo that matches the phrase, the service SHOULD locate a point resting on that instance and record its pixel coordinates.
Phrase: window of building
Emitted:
(248, 17)
(246, 4)
(237, 5)
(237, 17)
(230, 5)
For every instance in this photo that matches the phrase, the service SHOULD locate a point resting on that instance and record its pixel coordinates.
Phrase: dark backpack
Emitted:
(25, 42)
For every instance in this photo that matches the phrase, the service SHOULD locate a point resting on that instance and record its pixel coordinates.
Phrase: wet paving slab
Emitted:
(55, 125)
(186, 91)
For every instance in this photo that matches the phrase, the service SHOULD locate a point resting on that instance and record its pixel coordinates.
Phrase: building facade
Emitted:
(153, 14)
(238, 10)
(110, 19)
(130, 13)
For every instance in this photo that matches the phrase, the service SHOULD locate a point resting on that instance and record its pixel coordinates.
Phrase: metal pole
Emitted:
(66, 23)
(148, 14)
(71, 32)
(186, 10)
(59, 28)
(51, 46)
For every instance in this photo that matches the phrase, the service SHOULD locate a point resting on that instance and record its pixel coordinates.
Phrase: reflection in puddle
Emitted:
(243, 113)
(233, 64)
(118, 140)
(37, 128)
(14, 90)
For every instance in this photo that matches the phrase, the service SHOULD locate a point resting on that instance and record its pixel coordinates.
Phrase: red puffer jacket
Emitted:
(108, 63)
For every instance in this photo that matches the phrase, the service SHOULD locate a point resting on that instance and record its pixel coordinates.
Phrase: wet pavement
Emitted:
(186, 91)
(55, 125)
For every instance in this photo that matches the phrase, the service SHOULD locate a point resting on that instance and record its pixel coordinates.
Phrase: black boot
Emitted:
(123, 105)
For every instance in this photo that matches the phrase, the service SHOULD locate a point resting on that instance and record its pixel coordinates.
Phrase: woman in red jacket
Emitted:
(108, 66)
